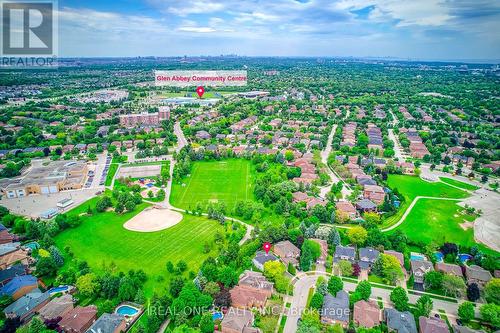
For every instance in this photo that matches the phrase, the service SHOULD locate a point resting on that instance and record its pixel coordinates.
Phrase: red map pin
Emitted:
(267, 247)
(200, 91)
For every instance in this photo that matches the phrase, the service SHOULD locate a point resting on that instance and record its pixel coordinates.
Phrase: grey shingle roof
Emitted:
(336, 308)
(107, 323)
(401, 322)
(27, 303)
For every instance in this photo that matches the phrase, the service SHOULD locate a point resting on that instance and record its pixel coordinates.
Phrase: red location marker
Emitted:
(267, 247)
(200, 91)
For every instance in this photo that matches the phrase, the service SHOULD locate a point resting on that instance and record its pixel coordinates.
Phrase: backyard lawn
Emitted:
(458, 183)
(102, 239)
(410, 187)
(225, 181)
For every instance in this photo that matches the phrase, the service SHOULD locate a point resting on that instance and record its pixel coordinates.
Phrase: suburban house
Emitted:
(366, 205)
(374, 193)
(238, 321)
(57, 308)
(335, 309)
(8, 274)
(79, 319)
(287, 252)
(19, 286)
(25, 307)
(5, 236)
(419, 268)
(367, 314)
(252, 291)
(344, 253)
(432, 325)
(397, 255)
(400, 322)
(477, 275)
(449, 269)
(367, 257)
(346, 209)
(11, 254)
(109, 323)
(261, 258)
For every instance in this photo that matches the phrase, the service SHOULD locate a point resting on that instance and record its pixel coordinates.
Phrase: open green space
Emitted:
(458, 183)
(101, 240)
(411, 187)
(439, 221)
(225, 181)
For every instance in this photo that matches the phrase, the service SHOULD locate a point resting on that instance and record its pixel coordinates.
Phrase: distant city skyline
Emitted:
(423, 30)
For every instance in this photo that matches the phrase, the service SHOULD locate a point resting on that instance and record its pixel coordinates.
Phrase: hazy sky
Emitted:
(423, 29)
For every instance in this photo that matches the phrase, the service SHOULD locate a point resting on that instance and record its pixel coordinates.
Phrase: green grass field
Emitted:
(101, 239)
(458, 183)
(410, 187)
(225, 181)
(437, 220)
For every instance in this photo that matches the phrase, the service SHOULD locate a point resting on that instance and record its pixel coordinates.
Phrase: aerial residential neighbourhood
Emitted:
(318, 193)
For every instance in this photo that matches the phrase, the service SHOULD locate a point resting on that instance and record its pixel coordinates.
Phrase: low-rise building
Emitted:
(432, 325)
(238, 321)
(367, 314)
(19, 286)
(367, 257)
(335, 309)
(25, 307)
(344, 253)
(79, 319)
(419, 268)
(57, 307)
(287, 252)
(400, 322)
(261, 258)
(109, 323)
(478, 275)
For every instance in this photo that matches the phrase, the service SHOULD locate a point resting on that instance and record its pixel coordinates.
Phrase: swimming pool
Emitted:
(217, 316)
(417, 256)
(463, 257)
(439, 256)
(127, 310)
(60, 289)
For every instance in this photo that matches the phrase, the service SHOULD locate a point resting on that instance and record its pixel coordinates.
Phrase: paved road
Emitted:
(346, 190)
(181, 139)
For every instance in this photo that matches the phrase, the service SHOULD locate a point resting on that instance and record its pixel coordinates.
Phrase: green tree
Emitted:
(491, 314)
(207, 323)
(400, 299)
(492, 291)
(364, 288)
(317, 301)
(335, 284)
(453, 285)
(87, 284)
(357, 235)
(345, 267)
(433, 280)
(424, 306)
(466, 311)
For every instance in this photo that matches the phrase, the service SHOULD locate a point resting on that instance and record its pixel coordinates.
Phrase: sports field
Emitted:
(458, 183)
(102, 239)
(225, 181)
(410, 187)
